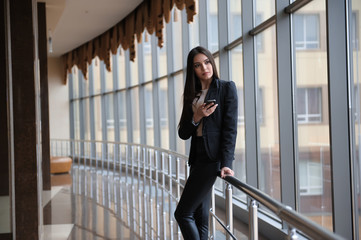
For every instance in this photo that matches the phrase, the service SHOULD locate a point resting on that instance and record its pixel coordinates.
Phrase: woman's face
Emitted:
(202, 67)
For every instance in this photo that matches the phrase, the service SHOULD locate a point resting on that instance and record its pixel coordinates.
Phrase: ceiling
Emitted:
(71, 23)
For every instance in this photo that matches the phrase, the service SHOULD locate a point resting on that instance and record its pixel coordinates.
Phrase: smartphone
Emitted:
(209, 101)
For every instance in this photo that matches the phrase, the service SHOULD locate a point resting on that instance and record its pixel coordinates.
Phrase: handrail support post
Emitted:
(292, 234)
(229, 209)
(253, 220)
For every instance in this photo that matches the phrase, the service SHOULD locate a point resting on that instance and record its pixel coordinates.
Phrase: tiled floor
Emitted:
(5, 214)
(76, 216)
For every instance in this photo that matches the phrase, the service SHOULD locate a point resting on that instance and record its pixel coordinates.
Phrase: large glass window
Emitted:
(356, 73)
(264, 9)
(177, 40)
(194, 29)
(109, 77)
(98, 118)
(314, 174)
(109, 112)
(86, 122)
(239, 164)
(310, 177)
(162, 53)
(76, 119)
(121, 68)
(134, 95)
(235, 20)
(96, 75)
(163, 113)
(179, 87)
(213, 25)
(355, 30)
(267, 104)
(134, 78)
(122, 111)
(85, 87)
(149, 119)
(75, 82)
(147, 55)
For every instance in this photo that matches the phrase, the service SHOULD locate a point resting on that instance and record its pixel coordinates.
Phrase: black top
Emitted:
(220, 128)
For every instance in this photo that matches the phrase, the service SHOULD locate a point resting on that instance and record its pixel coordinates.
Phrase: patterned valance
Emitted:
(148, 15)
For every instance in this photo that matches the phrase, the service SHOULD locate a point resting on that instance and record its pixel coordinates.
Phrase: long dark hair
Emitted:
(193, 85)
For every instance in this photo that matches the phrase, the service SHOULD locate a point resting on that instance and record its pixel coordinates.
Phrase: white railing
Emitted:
(153, 179)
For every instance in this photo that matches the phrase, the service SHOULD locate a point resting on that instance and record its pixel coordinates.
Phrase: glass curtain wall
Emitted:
(147, 52)
(121, 68)
(212, 22)
(109, 78)
(264, 10)
(149, 119)
(134, 103)
(122, 118)
(355, 28)
(134, 78)
(311, 103)
(236, 75)
(177, 40)
(163, 112)
(179, 86)
(109, 112)
(240, 152)
(267, 113)
(162, 55)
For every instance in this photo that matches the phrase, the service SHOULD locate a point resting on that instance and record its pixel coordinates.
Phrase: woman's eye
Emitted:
(196, 65)
(207, 62)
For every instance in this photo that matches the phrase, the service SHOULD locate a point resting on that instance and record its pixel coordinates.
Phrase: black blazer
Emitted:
(220, 128)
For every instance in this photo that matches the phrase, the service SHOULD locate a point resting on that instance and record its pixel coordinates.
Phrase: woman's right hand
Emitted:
(204, 111)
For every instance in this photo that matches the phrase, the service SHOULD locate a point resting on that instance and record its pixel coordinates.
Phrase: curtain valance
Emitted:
(148, 15)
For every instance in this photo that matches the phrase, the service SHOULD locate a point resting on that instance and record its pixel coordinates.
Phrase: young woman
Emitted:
(213, 129)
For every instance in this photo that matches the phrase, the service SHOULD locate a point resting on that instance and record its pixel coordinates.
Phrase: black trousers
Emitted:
(192, 212)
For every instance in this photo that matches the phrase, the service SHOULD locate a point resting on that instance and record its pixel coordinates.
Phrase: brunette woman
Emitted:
(209, 118)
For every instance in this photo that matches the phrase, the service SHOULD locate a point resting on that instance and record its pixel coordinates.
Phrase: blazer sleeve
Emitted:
(229, 128)
(186, 128)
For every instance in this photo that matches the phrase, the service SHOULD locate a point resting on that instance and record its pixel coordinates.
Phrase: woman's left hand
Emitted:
(226, 171)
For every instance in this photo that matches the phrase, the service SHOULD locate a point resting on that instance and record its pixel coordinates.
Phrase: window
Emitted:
(309, 108)
(149, 106)
(354, 32)
(310, 178)
(356, 102)
(122, 115)
(260, 106)
(163, 106)
(109, 111)
(307, 31)
(259, 38)
(240, 106)
(235, 19)
(213, 39)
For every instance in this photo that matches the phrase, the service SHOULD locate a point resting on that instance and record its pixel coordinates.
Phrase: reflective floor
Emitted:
(89, 204)
(69, 215)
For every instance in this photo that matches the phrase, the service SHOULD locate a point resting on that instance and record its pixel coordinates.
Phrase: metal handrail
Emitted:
(141, 168)
(285, 213)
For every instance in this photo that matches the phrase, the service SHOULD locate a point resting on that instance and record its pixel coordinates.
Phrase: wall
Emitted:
(58, 101)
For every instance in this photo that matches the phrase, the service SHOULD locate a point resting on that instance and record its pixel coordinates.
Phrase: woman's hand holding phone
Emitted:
(206, 109)
(209, 103)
